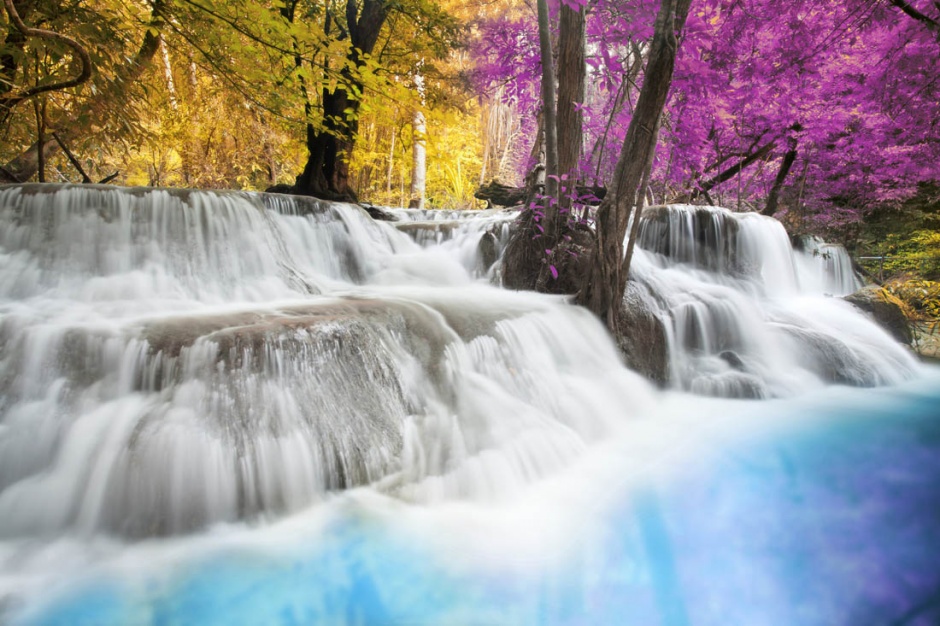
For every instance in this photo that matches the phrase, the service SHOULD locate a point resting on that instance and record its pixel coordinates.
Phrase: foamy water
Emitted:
(236, 408)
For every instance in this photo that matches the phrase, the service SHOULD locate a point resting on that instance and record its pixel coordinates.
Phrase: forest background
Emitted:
(825, 115)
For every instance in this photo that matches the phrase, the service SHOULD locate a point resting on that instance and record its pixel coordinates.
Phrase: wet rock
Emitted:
(641, 335)
(488, 250)
(429, 231)
(704, 237)
(885, 309)
(832, 360)
(378, 213)
(731, 358)
(280, 188)
(734, 385)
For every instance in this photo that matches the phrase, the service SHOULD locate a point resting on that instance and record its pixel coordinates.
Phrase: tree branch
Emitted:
(911, 12)
(11, 100)
(71, 157)
(734, 170)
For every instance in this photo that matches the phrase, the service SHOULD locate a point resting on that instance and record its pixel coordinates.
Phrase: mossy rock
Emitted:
(886, 309)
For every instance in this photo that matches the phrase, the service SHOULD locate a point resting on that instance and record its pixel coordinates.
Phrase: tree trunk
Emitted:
(602, 291)
(419, 161)
(773, 197)
(571, 76)
(548, 102)
(419, 154)
(391, 165)
(326, 173)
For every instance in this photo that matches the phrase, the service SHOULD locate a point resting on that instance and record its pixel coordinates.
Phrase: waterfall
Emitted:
(181, 369)
(826, 267)
(747, 316)
(176, 359)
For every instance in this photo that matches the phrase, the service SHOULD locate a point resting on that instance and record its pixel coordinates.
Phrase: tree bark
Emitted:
(548, 102)
(603, 288)
(419, 155)
(731, 172)
(785, 165)
(568, 137)
(329, 147)
(419, 161)
(571, 77)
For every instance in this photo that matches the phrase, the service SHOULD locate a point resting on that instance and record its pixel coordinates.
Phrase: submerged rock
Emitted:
(831, 359)
(488, 250)
(731, 358)
(885, 309)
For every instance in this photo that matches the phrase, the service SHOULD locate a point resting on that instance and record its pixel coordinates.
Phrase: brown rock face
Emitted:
(885, 309)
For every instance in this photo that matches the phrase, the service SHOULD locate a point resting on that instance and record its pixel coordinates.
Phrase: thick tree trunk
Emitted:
(602, 291)
(326, 173)
(571, 77)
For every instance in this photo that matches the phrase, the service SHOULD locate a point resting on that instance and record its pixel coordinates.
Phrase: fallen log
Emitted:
(498, 194)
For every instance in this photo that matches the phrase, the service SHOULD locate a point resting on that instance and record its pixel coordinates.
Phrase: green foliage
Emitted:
(921, 304)
(907, 236)
(917, 253)
(922, 296)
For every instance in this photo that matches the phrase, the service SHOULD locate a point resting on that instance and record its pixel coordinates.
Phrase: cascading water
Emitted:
(242, 408)
(746, 316)
(826, 268)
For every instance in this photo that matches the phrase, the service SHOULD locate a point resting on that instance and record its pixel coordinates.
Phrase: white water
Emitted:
(171, 361)
(747, 316)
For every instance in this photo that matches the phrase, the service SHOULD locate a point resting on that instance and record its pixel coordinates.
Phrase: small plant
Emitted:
(576, 213)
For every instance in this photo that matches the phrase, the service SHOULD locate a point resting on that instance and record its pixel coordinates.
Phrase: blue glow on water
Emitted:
(836, 521)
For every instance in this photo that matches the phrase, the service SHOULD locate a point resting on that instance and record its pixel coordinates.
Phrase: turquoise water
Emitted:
(820, 510)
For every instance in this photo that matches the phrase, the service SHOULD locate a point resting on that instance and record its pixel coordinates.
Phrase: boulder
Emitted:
(488, 250)
(885, 309)
(641, 335)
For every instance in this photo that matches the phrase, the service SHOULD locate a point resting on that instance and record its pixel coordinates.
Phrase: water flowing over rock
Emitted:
(826, 267)
(885, 309)
(170, 360)
(747, 316)
(173, 359)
